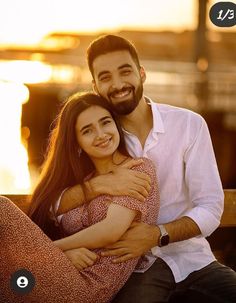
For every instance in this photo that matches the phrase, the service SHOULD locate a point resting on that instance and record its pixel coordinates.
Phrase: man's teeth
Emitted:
(122, 94)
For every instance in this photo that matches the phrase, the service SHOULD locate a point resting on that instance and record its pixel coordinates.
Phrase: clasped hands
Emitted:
(137, 241)
(140, 237)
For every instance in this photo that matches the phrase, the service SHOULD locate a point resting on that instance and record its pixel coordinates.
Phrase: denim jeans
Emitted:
(214, 283)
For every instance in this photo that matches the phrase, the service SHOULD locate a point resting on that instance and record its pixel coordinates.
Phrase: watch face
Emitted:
(165, 240)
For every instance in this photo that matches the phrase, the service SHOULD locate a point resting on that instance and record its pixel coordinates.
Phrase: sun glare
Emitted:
(25, 71)
(14, 173)
(39, 18)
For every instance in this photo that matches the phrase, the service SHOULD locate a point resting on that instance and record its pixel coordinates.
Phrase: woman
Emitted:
(86, 141)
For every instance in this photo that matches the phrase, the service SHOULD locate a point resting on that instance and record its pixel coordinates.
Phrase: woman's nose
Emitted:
(99, 132)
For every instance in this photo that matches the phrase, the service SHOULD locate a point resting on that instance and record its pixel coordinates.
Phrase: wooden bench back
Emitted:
(228, 218)
(229, 215)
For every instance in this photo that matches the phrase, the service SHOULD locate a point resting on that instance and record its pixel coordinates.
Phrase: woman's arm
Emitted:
(103, 233)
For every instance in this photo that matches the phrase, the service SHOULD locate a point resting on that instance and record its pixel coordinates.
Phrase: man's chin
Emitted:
(116, 101)
(124, 108)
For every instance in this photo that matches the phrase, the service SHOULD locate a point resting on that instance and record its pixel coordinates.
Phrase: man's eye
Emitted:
(126, 72)
(105, 78)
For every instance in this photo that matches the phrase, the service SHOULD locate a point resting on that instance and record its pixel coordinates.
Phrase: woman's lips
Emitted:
(104, 143)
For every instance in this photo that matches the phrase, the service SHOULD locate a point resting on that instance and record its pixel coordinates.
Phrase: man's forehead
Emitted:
(112, 60)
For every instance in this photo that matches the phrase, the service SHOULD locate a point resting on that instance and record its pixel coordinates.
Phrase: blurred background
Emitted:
(189, 63)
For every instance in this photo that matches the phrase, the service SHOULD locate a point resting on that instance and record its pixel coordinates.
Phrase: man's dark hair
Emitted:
(109, 43)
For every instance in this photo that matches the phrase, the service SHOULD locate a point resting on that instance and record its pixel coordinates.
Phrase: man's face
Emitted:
(118, 79)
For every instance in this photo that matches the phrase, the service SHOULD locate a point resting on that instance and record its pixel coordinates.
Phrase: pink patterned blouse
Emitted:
(104, 279)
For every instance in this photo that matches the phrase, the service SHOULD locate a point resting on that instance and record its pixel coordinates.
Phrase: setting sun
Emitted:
(14, 175)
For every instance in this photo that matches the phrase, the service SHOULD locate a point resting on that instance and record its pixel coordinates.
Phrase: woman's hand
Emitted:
(81, 257)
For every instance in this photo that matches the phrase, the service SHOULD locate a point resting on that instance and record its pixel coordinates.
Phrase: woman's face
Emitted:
(96, 132)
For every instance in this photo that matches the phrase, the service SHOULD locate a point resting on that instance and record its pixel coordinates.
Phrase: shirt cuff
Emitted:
(205, 220)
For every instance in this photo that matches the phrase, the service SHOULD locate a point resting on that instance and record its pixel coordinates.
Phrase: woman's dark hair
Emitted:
(63, 166)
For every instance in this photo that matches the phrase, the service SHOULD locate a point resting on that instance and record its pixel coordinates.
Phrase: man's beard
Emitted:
(128, 106)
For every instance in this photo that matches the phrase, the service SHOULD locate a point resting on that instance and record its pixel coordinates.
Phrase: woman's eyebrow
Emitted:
(105, 117)
(84, 127)
(100, 120)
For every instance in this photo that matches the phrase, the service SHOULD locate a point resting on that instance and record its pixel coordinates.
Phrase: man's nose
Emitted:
(117, 83)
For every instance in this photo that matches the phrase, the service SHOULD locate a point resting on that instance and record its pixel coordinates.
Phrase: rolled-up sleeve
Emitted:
(202, 178)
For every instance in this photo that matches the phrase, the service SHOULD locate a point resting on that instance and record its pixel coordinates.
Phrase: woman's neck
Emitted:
(106, 165)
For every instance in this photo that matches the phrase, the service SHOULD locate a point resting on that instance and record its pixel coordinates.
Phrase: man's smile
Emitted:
(121, 93)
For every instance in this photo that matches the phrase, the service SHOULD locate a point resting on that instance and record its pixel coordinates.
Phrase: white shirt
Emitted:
(179, 144)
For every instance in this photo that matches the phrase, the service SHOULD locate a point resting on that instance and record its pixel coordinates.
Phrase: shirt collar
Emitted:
(158, 125)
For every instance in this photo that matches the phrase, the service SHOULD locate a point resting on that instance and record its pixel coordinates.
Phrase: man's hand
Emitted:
(138, 239)
(81, 257)
(123, 181)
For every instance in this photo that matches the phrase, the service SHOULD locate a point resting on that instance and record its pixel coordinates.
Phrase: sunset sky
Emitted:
(27, 21)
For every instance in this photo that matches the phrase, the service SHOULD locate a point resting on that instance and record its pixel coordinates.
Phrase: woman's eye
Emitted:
(87, 131)
(106, 122)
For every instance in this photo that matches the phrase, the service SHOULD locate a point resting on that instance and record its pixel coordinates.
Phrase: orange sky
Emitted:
(27, 21)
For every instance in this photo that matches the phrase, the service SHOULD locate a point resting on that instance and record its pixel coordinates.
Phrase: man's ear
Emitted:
(142, 74)
(94, 87)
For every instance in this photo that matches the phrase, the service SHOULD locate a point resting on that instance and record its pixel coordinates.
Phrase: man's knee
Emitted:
(154, 285)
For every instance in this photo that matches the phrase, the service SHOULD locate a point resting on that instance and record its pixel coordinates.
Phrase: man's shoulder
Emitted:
(168, 108)
(181, 112)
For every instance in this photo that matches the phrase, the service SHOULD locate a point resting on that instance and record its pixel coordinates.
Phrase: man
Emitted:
(178, 142)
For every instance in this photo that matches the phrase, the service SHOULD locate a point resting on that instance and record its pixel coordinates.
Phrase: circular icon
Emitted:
(22, 281)
(223, 14)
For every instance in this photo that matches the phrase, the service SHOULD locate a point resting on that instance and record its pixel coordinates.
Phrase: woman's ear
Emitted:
(142, 74)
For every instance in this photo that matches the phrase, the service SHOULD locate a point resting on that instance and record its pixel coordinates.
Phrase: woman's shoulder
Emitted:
(146, 166)
(145, 160)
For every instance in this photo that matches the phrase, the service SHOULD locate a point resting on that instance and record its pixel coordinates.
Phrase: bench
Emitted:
(222, 241)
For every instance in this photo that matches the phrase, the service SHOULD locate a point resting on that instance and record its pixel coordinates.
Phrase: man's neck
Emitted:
(139, 122)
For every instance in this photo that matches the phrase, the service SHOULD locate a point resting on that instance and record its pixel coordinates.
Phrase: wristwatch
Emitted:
(164, 236)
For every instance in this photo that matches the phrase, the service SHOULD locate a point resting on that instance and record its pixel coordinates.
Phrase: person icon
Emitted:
(22, 282)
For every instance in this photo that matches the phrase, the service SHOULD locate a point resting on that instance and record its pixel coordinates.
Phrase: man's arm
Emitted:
(141, 237)
(205, 192)
(122, 181)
